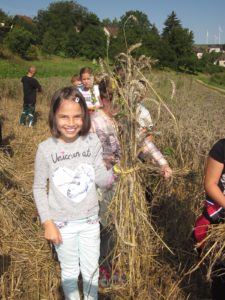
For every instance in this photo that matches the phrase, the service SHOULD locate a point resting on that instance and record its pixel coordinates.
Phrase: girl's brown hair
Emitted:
(85, 70)
(68, 93)
(106, 89)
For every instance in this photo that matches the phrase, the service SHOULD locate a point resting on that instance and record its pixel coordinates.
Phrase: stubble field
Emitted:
(27, 267)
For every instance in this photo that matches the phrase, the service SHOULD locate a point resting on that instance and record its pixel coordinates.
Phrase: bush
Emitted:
(218, 79)
(31, 53)
(212, 69)
(19, 40)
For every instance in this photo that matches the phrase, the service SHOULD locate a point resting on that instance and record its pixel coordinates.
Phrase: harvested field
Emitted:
(28, 270)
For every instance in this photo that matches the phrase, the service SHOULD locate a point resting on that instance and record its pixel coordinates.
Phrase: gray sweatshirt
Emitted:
(66, 175)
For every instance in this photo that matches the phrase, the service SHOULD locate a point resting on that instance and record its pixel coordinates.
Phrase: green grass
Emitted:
(52, 67)
(215, 80)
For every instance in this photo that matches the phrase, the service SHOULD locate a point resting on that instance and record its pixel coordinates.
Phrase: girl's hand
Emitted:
(52, 233)
(167, 171)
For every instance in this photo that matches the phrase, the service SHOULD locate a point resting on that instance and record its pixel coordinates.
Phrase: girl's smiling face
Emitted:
(69, 120)
(87, 80)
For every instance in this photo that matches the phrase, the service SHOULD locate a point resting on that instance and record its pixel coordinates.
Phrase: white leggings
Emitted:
(79, 252)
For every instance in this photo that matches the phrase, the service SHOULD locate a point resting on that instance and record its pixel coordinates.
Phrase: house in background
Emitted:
(199, 52)
(25, 19)
(111, 31)
(220, 60)
(208, 48)
(215, 49)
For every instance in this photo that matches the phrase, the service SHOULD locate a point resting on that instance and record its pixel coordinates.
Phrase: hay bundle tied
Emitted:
(137, 243)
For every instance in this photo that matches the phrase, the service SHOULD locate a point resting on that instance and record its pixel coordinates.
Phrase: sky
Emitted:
(206, 18)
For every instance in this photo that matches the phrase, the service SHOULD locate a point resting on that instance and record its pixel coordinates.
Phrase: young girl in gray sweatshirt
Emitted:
(68, 167)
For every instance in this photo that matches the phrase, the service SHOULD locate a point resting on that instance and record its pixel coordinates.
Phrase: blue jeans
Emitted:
(79, 252)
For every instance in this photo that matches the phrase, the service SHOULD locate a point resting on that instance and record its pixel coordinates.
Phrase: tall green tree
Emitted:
(170, 25)
(178, 42)
(92, 42)
(61, 21)
(151, 42)
(108, 22)
(135, 27)
(50, 42)
(73, 44)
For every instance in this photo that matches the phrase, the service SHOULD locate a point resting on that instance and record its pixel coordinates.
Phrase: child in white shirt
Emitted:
(89, 90)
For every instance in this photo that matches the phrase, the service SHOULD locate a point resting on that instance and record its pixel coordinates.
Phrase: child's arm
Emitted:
(151, 150)
(103, 177)
(41, 198)
(213, 173)
(40, 185)
(38, 86)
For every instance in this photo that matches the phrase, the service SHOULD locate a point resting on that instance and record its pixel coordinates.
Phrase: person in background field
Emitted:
(213, 211)
(89, 90)
(70, 163)
(144, 117)
(145, 125)
(104, 125)
(30, 88)
(75, 80)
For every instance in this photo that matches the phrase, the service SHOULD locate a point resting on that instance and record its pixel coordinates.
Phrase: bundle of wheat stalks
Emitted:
(137, 243)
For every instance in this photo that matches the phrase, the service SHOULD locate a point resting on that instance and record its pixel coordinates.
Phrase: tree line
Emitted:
(68, 29)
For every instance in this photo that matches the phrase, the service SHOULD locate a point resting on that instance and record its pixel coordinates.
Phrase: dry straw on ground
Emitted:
(213, 251)
(27, 268)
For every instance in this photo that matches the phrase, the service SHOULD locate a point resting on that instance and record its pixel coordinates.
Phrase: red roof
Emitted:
(112, 30)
